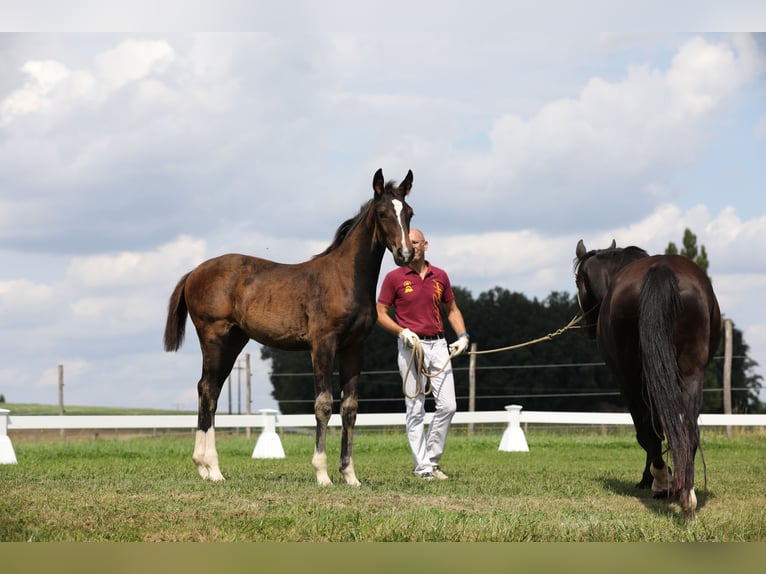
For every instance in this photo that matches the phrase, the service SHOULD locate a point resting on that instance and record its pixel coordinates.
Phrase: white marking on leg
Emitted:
(319, 462)
(661, 482)
(199, 454)
(350, 476)
(206, 456)
(688, 502)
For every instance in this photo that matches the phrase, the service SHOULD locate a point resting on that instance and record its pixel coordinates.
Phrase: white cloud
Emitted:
(615, 131)
(24, 303)
(132, 60)
(129, 269)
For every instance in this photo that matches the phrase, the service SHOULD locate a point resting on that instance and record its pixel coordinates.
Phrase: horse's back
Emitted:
(276, 304)
(219, 287)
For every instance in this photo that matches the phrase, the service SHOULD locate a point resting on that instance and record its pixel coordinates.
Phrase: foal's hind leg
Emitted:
(322, 356)
(219, 351)
(350, 367)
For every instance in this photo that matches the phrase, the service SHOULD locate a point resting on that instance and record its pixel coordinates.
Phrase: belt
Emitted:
(431, 337)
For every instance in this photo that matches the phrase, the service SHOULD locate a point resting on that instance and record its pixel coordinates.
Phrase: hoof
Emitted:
(323, 480)
(349, 475)
(353, 481)
(688, 502)
(661, 482)
(210, 473)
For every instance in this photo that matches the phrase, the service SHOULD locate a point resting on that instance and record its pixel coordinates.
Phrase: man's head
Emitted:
(419, 244)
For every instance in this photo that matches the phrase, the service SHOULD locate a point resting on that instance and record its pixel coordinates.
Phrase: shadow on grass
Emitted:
(659, 506)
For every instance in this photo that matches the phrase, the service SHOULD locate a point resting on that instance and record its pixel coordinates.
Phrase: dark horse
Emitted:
(325, 305)
(657, 323)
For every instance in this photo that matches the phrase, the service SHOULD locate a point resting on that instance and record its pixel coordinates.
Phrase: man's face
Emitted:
(419, 244)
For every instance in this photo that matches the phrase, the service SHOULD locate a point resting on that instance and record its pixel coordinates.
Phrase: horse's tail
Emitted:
(175, 327)
(660, 302)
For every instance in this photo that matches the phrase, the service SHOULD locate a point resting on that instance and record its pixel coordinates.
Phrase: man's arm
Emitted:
(385, 320)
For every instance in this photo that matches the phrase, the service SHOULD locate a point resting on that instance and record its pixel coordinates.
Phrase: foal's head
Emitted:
(392, 216)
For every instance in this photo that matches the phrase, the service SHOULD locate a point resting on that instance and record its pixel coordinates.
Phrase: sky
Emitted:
(128, 158)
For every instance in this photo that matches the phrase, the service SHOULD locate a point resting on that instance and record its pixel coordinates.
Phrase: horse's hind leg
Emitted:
(322, 357)
(656, 473)
(350, 367)
(218, 355)
(692, 391)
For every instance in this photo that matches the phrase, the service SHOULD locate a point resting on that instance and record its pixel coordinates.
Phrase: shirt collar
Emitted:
(428, 269)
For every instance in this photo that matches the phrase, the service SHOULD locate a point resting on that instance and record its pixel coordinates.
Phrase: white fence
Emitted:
(268, 420)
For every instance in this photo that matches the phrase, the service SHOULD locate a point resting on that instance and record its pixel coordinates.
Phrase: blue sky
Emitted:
(128, 158)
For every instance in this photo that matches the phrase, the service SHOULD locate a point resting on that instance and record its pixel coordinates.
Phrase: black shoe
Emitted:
(425, 476)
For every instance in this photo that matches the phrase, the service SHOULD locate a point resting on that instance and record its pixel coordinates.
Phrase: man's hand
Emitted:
(459, 347)
(409, 338)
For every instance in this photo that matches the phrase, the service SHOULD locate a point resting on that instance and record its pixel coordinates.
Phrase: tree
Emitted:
(699, 256)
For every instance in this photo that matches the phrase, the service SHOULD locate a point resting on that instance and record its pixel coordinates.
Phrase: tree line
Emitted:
(565, 373)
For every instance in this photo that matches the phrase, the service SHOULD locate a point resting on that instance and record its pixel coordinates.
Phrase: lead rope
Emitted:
(422, 375)
(571, 325)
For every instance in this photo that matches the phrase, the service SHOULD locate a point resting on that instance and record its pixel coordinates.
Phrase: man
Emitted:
(418, 293)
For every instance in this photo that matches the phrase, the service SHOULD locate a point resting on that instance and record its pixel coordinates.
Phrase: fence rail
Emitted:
(260, 419)
(269, 445)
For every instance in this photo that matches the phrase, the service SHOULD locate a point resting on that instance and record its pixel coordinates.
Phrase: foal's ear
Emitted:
(406, 185)
(613, 245)
(580, 251)
(377, 182)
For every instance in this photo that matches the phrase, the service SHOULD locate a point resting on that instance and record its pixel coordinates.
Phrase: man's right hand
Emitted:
(409, 338)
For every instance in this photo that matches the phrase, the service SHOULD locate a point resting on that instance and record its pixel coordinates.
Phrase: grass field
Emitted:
(570, 487)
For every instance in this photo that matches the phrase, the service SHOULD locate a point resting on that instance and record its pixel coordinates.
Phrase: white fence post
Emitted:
(7, 456)
(268, 444)
(513, 438)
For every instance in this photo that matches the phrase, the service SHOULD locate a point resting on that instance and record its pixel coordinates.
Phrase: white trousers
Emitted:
(427, 449)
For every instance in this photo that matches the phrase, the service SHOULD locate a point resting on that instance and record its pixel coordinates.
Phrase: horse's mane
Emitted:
(345, 228)
(615, 257)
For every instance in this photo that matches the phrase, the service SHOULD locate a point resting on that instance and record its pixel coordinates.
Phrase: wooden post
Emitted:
(248, 395)
(727, 358)
(228, 380)
(61, 397)
(472, 384)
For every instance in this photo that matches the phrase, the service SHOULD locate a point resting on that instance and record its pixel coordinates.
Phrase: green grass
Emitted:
(570, 487)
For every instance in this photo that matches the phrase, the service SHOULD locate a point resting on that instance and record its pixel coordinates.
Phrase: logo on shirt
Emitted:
(408, 287)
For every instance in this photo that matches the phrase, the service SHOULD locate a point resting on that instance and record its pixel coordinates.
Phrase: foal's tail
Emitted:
(659, 306)
(175, 328)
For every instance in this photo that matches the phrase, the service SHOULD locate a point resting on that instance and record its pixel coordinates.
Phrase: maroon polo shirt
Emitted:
(417, 302)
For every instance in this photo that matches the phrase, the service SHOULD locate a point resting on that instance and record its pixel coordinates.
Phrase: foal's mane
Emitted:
(345, 228)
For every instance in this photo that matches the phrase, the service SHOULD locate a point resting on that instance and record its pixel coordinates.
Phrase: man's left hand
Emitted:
(459, 347)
